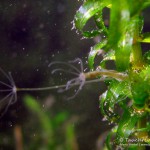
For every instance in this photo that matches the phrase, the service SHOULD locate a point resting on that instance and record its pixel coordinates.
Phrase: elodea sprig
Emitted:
(121, 43)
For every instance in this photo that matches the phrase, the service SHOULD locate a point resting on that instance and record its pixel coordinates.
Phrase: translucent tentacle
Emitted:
(80, 61)
(69, 85)
(3, 83)
(59, 69)
(64, 63)
(79, 89)
(11, 89)
(8, 104)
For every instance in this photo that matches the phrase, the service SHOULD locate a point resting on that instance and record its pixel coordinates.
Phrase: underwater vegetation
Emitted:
(126, 102)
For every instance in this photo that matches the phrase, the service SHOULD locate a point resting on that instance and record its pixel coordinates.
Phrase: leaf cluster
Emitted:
(121, 43)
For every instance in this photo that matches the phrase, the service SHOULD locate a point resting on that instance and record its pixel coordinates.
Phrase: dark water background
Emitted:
(32, 35)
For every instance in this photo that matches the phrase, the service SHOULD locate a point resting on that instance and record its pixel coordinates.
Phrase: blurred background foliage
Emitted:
(33, 34)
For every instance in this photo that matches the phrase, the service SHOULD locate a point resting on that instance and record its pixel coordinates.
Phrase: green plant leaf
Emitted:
(32, 104)
(123, 29)
(140, 83)
(108, 141)
(91, 34)
(126, 125)
(145, 38)
(44, 119)
(108, 56)
(146, 4)
(98, 17)
(59, 119)
(93, 52)
(70, 138)
(119, 18)
(88, 10)
(138, 6)
(117, 93)
(117, 40)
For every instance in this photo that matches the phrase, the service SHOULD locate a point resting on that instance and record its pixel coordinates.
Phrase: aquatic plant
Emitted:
(128, 85)
(121, 42)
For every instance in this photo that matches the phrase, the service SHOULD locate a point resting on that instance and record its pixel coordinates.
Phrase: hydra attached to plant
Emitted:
(82, 78)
